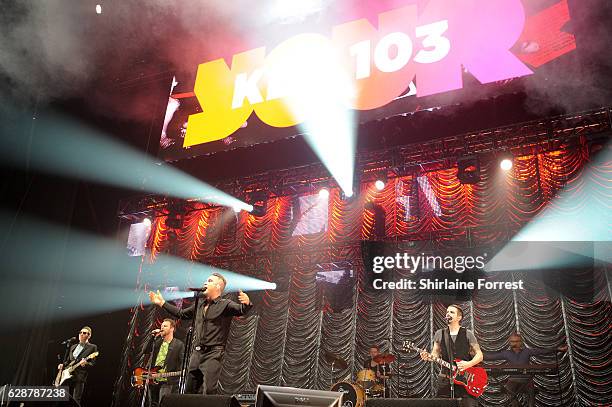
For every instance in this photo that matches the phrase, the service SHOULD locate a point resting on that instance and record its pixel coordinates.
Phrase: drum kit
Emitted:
(369, 384)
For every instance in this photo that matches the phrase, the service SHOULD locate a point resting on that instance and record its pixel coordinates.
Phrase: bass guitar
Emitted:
(473, 379)
(66, 373)
(141, 375)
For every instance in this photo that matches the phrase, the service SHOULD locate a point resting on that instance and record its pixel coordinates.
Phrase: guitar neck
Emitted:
(443, 363)
(75, 363)
(437, 360)
(158, 375)
(169, 374)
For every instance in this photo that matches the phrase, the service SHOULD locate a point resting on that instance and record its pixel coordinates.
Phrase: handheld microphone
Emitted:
(156, 332)
(448, 319)
(201, 290)
(67, 341)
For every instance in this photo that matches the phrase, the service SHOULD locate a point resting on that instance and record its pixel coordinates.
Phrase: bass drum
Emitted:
(366, 378)
(353, 394)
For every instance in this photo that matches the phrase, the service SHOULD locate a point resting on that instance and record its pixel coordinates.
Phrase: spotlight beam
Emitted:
(66, 148)
(319, 91)
(567, 231)
(69, 274)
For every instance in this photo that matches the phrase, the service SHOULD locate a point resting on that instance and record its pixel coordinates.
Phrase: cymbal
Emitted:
(384, 358)
(336, 360)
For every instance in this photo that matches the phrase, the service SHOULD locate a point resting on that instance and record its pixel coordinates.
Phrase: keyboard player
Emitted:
(520, 355)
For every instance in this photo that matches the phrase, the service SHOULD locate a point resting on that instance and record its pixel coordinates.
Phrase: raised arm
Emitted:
(158, 299)
(545, 351)
(242, 307)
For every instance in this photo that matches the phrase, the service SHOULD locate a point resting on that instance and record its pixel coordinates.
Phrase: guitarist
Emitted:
(168, 356)
(463, 344)
(80, 351)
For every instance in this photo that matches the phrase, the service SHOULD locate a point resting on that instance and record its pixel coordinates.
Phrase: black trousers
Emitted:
(444, 392)
(204, 370)
(77, 388)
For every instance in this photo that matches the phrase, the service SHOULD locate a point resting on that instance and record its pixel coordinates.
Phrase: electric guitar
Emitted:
(141, 375)
(66, 373)
(474, 379)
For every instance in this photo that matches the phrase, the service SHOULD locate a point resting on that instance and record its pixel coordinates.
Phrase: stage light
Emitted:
(380, 185)
(259, 209)
(258, 199)
(146, 221)
(324, 193)
(505, 164)
(468, 170)
(98, 9)
(248, 208)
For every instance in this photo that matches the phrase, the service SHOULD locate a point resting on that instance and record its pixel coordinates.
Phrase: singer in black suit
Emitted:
(213, 319)
(168, 356)
(78, 352)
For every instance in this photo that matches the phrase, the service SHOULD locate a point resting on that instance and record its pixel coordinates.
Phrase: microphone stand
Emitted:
(145, 392)
(451, 357)
(188, 345)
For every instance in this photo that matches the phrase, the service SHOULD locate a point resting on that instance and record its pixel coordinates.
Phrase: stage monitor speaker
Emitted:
(412, 403)
(198, 400)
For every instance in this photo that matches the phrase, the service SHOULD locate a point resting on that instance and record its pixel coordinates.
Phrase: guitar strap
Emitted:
(449, 349)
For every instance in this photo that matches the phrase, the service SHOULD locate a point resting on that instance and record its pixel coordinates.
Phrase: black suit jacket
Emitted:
(174, 358)
(212, 327)
(80, 373)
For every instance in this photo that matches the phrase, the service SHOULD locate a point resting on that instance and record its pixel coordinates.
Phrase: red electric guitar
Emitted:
(474, 379)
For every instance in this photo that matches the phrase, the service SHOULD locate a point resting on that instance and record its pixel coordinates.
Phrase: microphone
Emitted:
(448, 319)
(69, 340)
(156, 332)
(200, 290)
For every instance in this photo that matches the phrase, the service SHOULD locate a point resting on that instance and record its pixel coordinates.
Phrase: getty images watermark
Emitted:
(459, 273)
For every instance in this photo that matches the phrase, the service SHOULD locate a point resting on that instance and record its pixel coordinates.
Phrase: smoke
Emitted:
(42, 51)
(580, 80)
(54, 49)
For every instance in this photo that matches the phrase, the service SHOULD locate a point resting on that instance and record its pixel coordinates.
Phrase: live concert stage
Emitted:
(318, 203)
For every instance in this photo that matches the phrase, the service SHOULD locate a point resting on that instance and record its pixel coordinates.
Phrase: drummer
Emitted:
(369, 363)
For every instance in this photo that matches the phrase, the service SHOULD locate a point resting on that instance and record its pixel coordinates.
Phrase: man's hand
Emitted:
(83, 362)
(243, 298)
(425, 356)
(462, 365)
(156, 298)
(60, 366)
